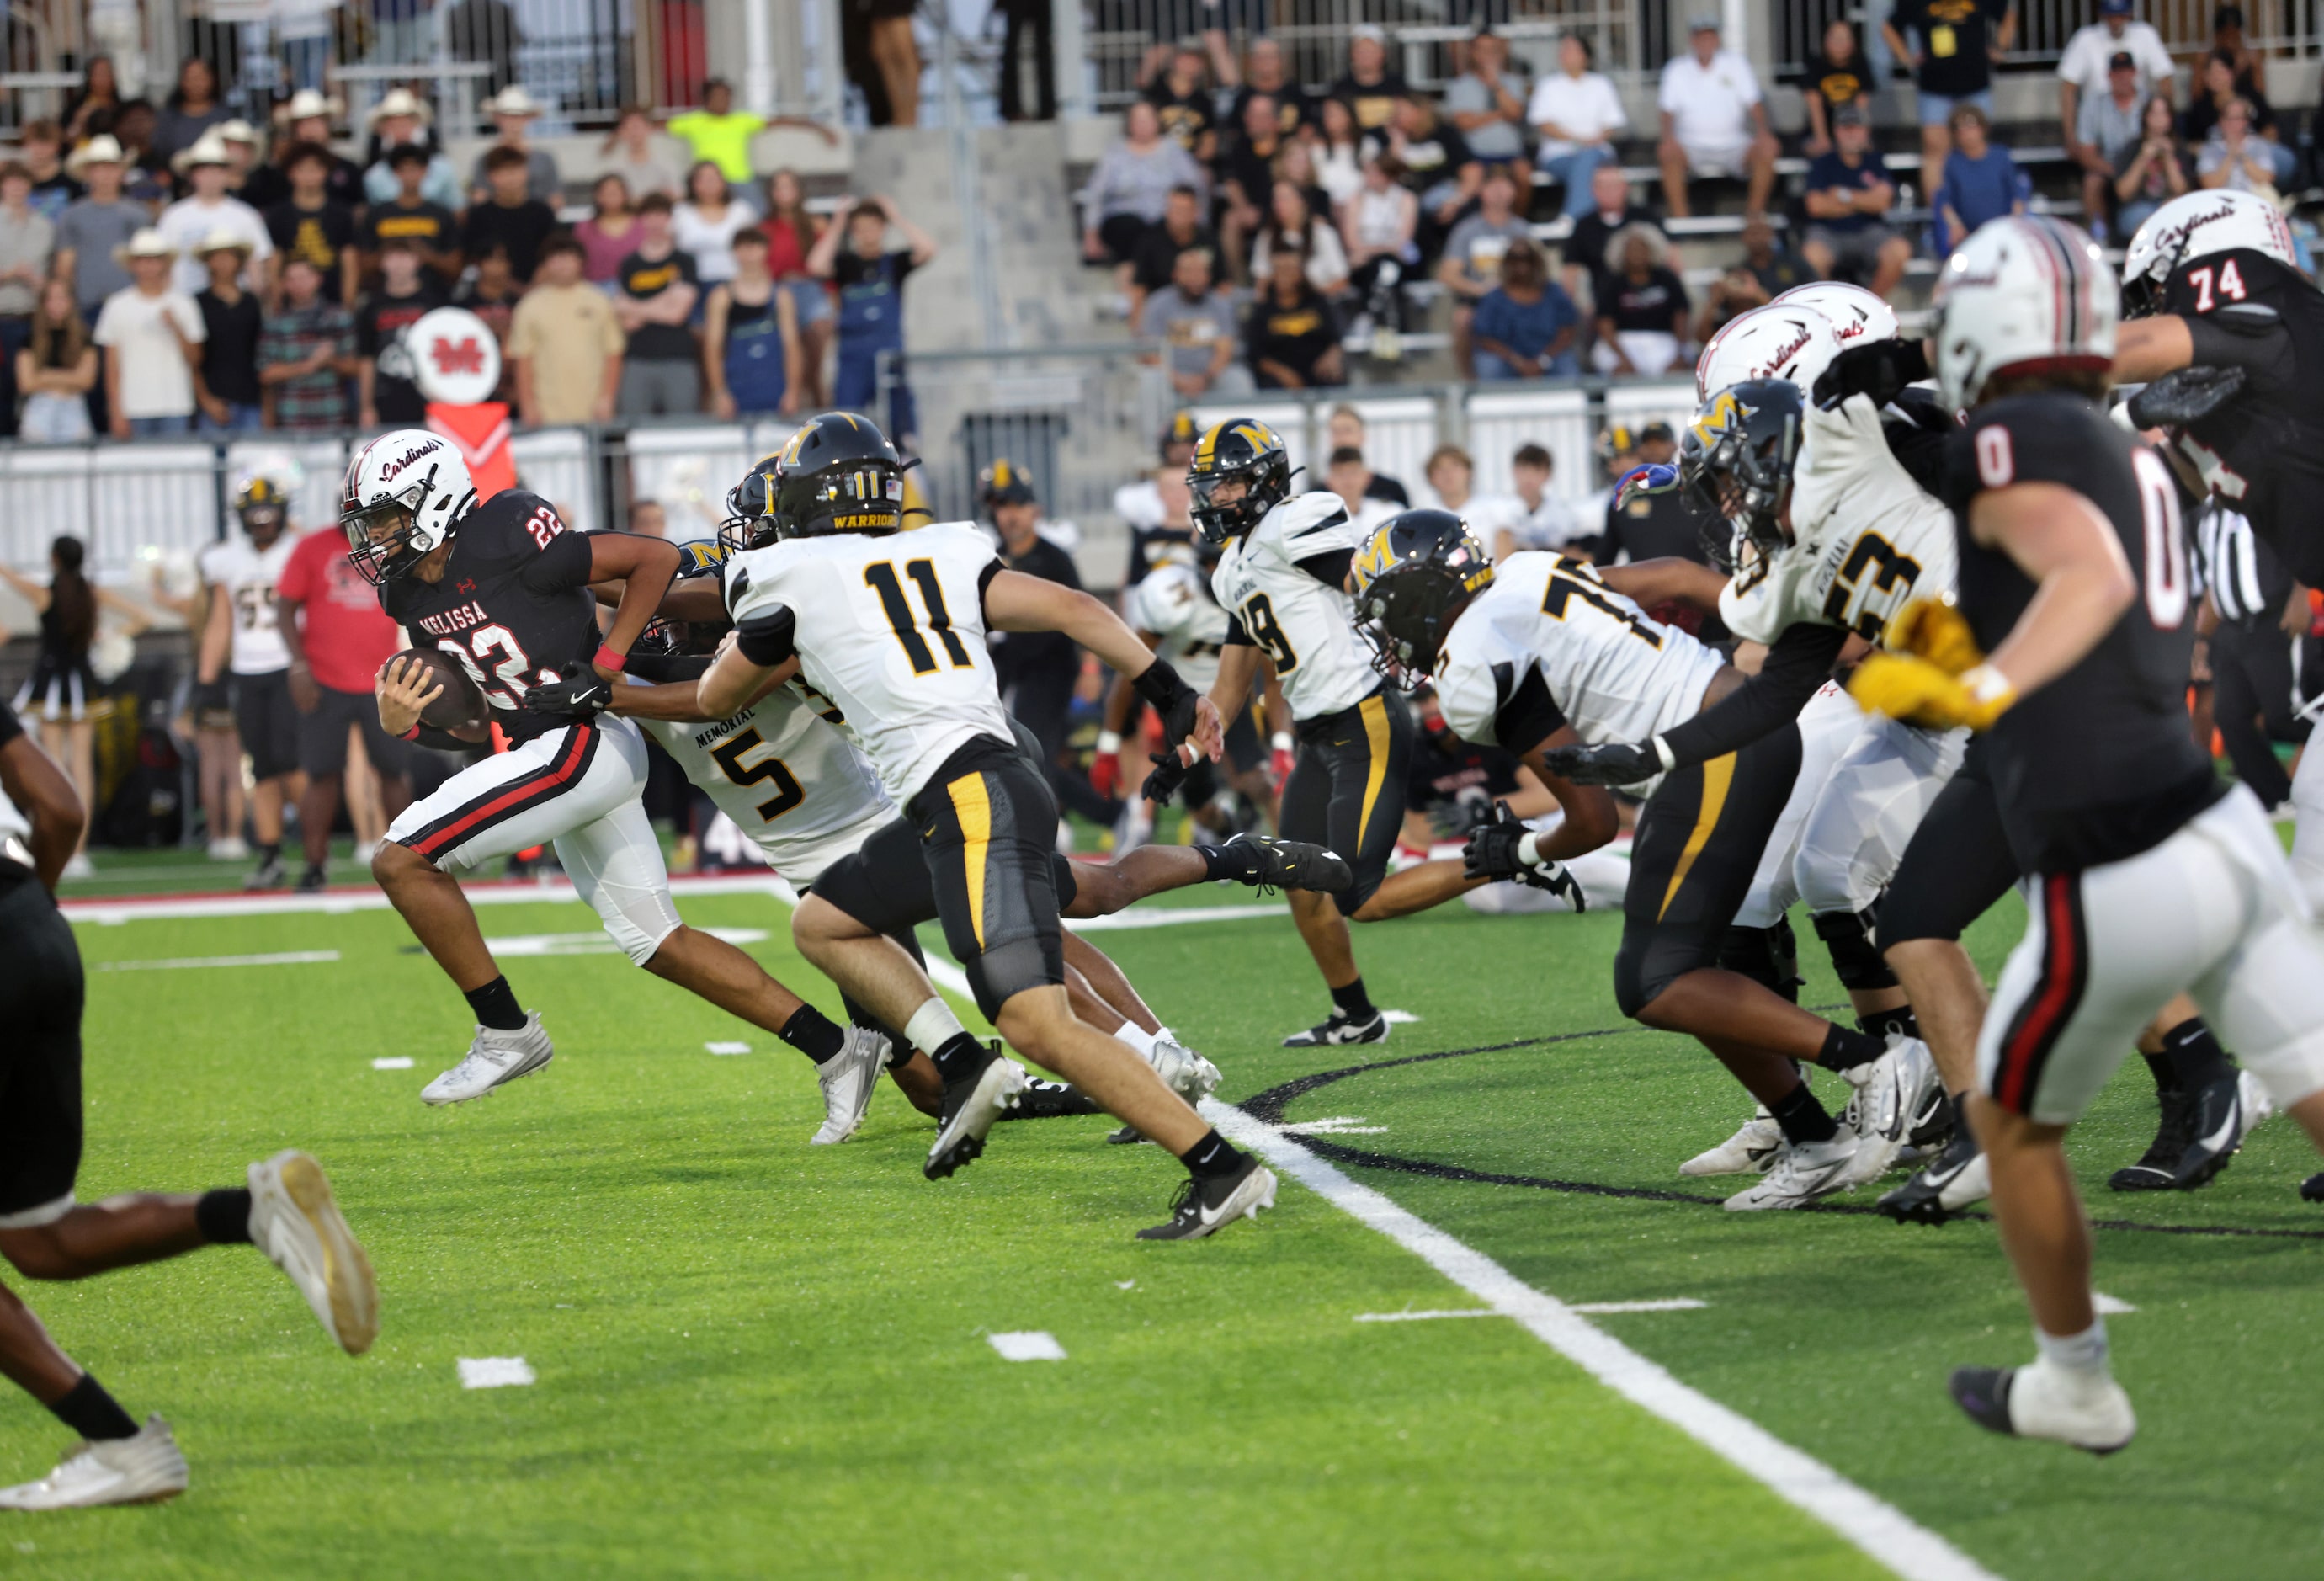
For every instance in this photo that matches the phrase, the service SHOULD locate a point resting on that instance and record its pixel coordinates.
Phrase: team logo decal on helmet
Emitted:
(1240, 471)
(837, 473)
(406, 495)
(1794, 342)
(1412, 581)
(1735, 463)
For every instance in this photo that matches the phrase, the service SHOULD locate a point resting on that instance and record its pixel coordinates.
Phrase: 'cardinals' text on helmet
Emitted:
(1245, 451)
(837, 473)
(407, 493)
(2025, 294)
(1856, 315)
(1412, 580)
(2198, 226)
(1787, 342)
(1736, 460)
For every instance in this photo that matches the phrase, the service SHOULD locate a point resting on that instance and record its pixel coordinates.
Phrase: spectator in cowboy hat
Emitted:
(241, 140)
(400, 120)
(307, 119)
(225, 380)
(208, 167)
(514, 111)
(91, 228)
(152, 334)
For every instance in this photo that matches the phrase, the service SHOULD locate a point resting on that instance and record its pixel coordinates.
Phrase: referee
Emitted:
(2262, 612)
(285, 1209)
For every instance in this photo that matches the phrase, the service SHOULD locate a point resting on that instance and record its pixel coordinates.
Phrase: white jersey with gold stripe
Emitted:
(1306, 625)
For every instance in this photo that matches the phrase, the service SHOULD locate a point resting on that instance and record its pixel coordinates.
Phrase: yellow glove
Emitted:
(1936, 629)
(1922, 693)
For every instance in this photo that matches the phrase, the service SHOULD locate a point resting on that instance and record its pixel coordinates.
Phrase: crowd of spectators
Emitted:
(177, 270)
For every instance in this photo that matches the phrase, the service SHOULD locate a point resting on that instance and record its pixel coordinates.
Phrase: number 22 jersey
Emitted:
(514, 605)
(891, 629)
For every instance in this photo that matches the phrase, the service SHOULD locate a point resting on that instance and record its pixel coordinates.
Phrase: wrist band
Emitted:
(607, 659)
(1108, 742)
(410, 734)
(1529, 850)
(1280, 741)
(1161, 686)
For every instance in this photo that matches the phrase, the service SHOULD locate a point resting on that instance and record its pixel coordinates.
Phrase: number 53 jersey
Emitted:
(1549, 644)
(1305, 624)
(1866, 537)
(891, 630)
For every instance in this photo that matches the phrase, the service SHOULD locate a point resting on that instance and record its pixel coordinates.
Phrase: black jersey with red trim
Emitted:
(513, 605)
(2263, 451)
(2099, 764)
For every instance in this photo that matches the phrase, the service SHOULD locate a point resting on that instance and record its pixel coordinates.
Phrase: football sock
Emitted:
(1353, 1002)
(2195, 1055)
(88, 1409)
(1211, 1157)
(2077, 1353)
(813, 1033)
(1845, 1049)
(1138, 1037)
(1238, 862)
(962, 1059)
(495, 1006)
(1804, 1117)
(224, 1216)
(1881, 1024)
(268, 853)
(932, 1026)
(2159, 1067)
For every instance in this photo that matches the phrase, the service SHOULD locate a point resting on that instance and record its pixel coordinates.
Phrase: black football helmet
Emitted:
(838, 473)
(265, 508)
(1004, 483)
(1736, 459)
(665, 638)
(1416, 575)
(750, 521)
(1244, 448)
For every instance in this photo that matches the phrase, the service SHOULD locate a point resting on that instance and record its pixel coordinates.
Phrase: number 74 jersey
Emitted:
(891, 629)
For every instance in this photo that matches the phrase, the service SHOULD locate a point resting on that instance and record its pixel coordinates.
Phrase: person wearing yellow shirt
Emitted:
(722, 134)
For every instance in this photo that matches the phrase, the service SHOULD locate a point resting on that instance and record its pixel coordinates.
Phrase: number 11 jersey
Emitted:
(891, 629)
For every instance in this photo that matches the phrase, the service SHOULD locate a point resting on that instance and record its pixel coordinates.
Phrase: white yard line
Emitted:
(289, 957)
(1880, 1529)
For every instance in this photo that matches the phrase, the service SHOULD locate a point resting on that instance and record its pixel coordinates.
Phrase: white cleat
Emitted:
(495, 1058)
(1803, 1172)
(2257, 1104)
(143, 1470)
(1972, 1186)
(2089, 1411)
(1890, 1093)
(296, 1222)
(1749, 1151)
(1182, 1070)
(849, 1078)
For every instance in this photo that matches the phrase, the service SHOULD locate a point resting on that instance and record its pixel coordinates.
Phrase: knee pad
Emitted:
(636, 917)
(1769, 957)
(1847, 937)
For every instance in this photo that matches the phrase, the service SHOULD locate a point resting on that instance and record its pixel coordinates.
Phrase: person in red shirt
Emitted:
(791, 233)
(338, 637)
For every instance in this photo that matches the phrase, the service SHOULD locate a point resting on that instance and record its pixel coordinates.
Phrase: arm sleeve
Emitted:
(984, 575)
(1527, 715)
(2242, 336)
(1330, 568)
(767, 637)
(1798, 664)
(1236, 636)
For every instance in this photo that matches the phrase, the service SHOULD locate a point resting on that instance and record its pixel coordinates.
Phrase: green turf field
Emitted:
(756, 1358)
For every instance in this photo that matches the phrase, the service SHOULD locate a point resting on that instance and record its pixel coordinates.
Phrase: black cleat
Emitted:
(2158, 1169)
(1940, 1188)
(313, 881)
(268, 875)
(2311, 1189)
(1932, 1127)
(1339, 1030)
(971, 1108)
(1051, 1100)
(1295, 865)
(1983, 1393)
(1203, 1208)
(2217, 1128)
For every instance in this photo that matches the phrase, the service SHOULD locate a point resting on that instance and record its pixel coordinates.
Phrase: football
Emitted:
(463, 702)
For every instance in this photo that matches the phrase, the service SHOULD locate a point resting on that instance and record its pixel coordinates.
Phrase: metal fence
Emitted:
(2278, 27)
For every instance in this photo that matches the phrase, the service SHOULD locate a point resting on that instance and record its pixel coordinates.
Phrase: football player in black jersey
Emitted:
(2146, 877)
(504, 587)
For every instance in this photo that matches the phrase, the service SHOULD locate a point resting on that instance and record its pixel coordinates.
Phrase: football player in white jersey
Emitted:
(1282, 578)
(243, 640)
(1174, 612)
(890, 627)
(1539, 655)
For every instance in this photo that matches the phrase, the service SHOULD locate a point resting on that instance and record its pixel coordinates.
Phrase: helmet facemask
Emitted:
(750, 521)
(1405, 610)
(385, 539)
(1218, 520)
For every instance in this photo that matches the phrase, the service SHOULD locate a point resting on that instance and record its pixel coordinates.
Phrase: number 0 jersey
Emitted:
(513, 605)
(1306, 625)
(2099, 765)
(1549, 644)
(891, 629)
(250, 578)
(1174, 603)
(1867, 537)
(788, 776)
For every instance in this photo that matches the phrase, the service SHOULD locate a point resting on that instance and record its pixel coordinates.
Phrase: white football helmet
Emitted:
(1773, 342)
(1856, 315)
(2024, 292)
(407, 493)
(2195, 227)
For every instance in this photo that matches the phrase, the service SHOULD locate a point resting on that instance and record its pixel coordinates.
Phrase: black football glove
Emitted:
(1492, 852)
(1163, 783)
(1173, 700)
(1454, 819)
(1615, 763)
(1880, 370)
(2185, 396)
(578, 692)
